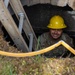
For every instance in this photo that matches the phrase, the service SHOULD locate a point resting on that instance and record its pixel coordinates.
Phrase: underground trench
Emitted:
(39, 18)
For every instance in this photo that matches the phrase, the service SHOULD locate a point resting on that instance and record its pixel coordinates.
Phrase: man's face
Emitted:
(56, 33)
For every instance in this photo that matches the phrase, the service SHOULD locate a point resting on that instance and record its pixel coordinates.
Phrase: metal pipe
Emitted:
(21, 21)
(30, 42)
(6, 2)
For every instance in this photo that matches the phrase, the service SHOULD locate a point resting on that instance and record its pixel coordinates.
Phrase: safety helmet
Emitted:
(56, 22)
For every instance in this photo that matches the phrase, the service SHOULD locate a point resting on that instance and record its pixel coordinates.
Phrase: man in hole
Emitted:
(55, 34)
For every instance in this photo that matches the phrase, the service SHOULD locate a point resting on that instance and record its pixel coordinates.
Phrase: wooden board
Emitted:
(18, 8)
(11, 28)
(44, 1)
(62, 3)
(59, 2)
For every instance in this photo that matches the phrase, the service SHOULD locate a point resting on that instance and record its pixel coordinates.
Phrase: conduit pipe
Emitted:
(6, 2)
(39, 51)
(21, 21)
(30, 41)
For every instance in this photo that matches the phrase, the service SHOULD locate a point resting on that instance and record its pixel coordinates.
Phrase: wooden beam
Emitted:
(17, 7)
(54, 2)
(33, 2)
(29, 2)
(62, 3)
(11, 27)
(59, 2)
(44, 1)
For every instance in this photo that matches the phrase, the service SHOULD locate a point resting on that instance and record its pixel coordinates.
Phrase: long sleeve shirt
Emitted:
(46, 40)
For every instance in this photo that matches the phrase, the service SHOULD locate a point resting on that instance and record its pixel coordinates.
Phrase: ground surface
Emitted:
(36, 65)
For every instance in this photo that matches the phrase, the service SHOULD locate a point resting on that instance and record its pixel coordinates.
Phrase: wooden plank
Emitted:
(71, 3)
(17, 7)
(44, 1)
(32, 2)
(11, 27)
(54, 2)
(29, 2)
(35, 2)
(62, 2)
(47, 1)
(59, 2)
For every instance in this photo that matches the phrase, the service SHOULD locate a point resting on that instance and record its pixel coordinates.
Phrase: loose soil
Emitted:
(36, 65)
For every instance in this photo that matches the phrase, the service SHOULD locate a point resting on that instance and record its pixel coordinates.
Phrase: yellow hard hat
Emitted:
(56, 22)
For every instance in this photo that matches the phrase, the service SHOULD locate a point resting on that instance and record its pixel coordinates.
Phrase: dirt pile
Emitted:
(36, 65)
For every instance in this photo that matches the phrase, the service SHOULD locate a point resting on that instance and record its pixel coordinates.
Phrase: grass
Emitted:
(37, 65)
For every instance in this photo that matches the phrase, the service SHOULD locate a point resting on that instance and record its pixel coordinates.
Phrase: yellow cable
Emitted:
(68, 47)
(39, 51)
(30, 53)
